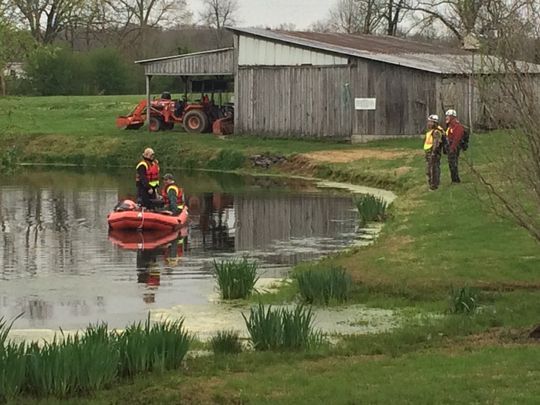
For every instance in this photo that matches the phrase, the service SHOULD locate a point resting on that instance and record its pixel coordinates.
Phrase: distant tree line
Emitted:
(89, 46)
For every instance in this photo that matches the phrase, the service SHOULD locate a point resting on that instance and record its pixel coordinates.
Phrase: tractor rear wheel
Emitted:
(195, 121)
(156, 124)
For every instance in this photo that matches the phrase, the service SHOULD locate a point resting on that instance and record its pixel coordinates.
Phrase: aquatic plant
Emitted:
(370, 208)
(12, 370)
(12, 363)
(71, 365)
(148, 347)
(236, 278)
(320, 285)
(90, 361)
(8, 159)
(226, 342)
(282, 328)
(463, 300)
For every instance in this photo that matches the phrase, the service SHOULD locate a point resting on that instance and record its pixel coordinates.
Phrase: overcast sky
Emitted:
(271, 13)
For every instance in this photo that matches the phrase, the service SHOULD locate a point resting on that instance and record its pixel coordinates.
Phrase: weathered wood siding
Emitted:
(493, 107)
(404, 98)
(203, 64)
(294, 101)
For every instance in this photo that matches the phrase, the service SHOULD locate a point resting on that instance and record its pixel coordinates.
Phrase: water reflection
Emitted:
(61, 267)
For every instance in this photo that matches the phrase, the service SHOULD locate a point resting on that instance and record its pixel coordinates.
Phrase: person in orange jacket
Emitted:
(147, 179)
(173, 196)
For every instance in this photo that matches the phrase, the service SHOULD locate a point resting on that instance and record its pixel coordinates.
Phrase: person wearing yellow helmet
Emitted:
(432, 149)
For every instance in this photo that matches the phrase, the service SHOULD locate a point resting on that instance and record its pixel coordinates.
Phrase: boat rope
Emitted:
(142, 219)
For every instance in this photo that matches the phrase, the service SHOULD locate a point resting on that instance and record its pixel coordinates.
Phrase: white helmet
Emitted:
(148, 153)
(434, 118)
(451, 113)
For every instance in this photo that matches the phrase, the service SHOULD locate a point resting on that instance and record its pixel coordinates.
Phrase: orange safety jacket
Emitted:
(179, 195)
(152, 172)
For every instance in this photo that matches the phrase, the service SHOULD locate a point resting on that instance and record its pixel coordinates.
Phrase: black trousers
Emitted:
(453, 163)
(144, 199)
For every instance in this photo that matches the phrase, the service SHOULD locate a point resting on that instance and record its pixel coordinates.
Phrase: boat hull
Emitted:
(146, 220)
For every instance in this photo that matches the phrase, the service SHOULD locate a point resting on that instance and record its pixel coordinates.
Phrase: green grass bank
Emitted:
(431, 242)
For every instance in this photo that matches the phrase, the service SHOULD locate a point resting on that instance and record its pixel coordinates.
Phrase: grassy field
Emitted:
(432, 242)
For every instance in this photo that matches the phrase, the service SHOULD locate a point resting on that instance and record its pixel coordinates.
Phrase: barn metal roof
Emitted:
(185, 55)
(396, 51)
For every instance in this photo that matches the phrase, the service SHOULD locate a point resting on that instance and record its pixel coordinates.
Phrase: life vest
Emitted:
(428, 142)
(152, 172)
(179, 195)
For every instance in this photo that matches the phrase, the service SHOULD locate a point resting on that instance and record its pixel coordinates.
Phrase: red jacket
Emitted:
(454, 133)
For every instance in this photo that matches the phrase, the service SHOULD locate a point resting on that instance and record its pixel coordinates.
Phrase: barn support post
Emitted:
(148, 101)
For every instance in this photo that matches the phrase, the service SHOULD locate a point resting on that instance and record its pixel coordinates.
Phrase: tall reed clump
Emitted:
(71, 365)
(152, 347)
(226, 342)
(89, 361)
(322, 286)
(12, 364)
(463, 300)
(371, 208)
(236, 278)
(282, 328)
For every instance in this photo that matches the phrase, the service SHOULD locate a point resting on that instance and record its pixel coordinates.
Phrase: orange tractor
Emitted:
(165, 113)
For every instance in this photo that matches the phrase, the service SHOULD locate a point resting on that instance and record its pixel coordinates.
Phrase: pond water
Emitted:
(60, 267)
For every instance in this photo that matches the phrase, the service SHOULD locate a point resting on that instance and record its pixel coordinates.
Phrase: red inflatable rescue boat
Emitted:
(150, 240)
(127, 216)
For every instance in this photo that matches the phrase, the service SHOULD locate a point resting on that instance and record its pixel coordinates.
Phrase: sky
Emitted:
(271, 13)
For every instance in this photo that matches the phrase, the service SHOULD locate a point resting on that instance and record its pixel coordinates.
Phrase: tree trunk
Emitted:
(3, 84)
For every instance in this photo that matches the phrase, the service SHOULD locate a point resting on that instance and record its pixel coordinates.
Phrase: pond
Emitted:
(60, 267)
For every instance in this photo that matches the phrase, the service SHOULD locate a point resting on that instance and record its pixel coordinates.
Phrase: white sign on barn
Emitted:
(365, 103)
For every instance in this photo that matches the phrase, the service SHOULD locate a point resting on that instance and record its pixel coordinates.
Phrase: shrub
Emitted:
(236, 278)
(227, 159)
(371, 208)
(281, 329)
(226, 342)
(463, 300)
(319, 285)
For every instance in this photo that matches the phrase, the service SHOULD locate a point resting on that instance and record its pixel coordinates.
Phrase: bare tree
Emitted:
(393, 14)
(511, 179)
(46, 19)
(356, 16)
(134, 20)
(219, 14)
(458, 16)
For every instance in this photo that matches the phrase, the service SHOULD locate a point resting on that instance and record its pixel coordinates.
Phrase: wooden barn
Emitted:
(336, 86)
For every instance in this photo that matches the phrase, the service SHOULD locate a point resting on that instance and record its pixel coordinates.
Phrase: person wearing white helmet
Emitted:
(147, 179)
(432, 149)
(454, 133)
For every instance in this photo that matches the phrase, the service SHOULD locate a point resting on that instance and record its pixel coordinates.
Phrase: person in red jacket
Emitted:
(454, 133)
